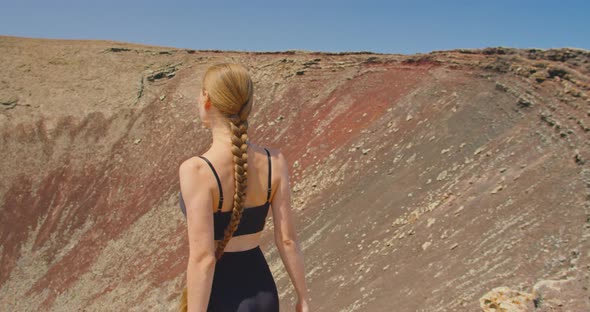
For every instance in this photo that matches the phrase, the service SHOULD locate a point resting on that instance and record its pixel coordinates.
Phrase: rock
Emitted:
(164, 72)
(523, 102)
(441, 176)
(539, 77)
(430, 222)
(578, 158)
(561, 295)
(557, 72)
(507, 300)
(9, 102)
(425, 245)
(498, 188)
(116, 49)
(478, 150)
(501, 87)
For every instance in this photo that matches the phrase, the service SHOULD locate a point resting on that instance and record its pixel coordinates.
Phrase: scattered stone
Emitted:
(409, 117)
(502, 170)
(584, 127)
(478, 150)
(386, 267)
(430, 222)
(365, 151)
(523, 102)
(454, 246)
(578, 158)
(162, 97)
(9, 102)
(441, 176)
(557, 72)
(425, 245)
(498, 188)
(501, 87)
(539, 77)
(137, 141)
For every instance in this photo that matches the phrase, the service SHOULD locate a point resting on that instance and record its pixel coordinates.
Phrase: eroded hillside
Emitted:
(421, 182)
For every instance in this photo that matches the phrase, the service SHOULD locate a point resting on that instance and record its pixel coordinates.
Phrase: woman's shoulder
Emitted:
(275, 152)
(194, 166)
(280, 163)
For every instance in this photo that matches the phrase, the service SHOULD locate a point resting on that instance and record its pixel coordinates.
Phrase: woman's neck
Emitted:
(221, 138)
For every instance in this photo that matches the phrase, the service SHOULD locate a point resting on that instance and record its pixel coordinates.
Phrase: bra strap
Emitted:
(218, 183)
(269, 174)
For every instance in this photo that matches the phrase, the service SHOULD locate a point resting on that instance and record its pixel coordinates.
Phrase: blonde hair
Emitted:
(231, 91)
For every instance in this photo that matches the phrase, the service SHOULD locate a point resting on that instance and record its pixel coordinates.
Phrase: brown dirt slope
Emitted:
(421, 182)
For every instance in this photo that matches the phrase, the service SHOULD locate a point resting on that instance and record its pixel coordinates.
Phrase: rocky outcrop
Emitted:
(570, 294)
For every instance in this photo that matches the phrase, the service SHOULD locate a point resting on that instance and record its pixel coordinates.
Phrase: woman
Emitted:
(225, 195)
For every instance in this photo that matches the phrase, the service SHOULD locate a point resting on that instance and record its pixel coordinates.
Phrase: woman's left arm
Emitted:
(196, 192)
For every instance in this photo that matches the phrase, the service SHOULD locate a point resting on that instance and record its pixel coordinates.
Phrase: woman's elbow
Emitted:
(202, 261)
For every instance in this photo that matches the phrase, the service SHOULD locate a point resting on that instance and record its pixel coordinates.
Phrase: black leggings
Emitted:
(243, 282)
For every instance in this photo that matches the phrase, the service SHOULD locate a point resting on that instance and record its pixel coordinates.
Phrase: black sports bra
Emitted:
(253, 218)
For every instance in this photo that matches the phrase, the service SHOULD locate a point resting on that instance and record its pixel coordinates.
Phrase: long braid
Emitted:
(239, 138)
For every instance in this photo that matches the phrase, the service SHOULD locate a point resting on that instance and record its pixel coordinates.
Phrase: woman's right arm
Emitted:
(285, 234)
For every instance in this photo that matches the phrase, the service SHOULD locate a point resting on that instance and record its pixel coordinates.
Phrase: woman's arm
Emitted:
(284, 230)
(196, 192)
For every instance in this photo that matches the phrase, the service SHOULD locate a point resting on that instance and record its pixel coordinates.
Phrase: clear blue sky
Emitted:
(380, 26)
